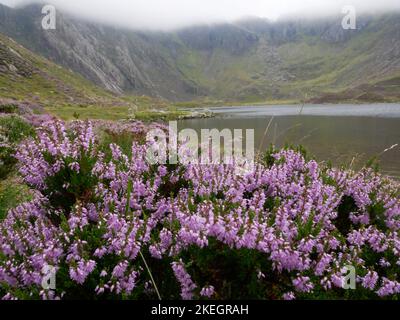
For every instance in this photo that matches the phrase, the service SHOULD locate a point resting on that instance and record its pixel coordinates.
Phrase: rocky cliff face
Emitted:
(248, 60)
(13, 64)
(33, 80)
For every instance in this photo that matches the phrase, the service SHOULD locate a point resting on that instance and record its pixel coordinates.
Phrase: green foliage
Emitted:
(123, 140)
(376, 213)
(235, 273)
(373, 163)
(12, 193)
(346, 206)
(268, 160)
(13, 129)
(8, 108)
(80, 184)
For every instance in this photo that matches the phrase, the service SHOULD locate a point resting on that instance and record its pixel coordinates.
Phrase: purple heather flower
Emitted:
(289, 296)
(187, 285)
(207, 291)
(303, 284)
(370, 280)
(82, 271)
(287, 211)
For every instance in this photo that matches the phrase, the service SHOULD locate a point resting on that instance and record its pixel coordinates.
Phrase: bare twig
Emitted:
(151, 275)
(127, 209)
(388, 149)
(265, 133)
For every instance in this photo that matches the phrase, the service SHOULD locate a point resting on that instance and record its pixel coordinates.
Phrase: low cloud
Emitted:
(170, 14)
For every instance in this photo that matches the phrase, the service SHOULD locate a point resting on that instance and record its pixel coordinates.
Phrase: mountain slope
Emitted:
(249, 60)
(36, 82)
(25, 76)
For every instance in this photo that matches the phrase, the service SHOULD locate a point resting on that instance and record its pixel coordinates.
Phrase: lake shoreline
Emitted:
(368, 110)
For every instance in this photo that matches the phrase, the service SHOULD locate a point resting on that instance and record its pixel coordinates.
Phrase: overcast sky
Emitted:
(168, 14)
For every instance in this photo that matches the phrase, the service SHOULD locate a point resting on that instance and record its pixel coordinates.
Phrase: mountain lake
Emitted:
(343, 134)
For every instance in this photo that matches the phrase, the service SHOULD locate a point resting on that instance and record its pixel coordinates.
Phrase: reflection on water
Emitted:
(353, 134)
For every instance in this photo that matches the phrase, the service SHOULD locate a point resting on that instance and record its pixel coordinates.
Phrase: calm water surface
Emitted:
(343, 134)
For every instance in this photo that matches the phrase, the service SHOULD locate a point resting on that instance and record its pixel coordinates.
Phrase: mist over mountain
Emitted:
(251, 59)
(172, 14)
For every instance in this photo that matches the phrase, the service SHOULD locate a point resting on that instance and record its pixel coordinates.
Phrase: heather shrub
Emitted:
(115, 227)
(10, 106)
